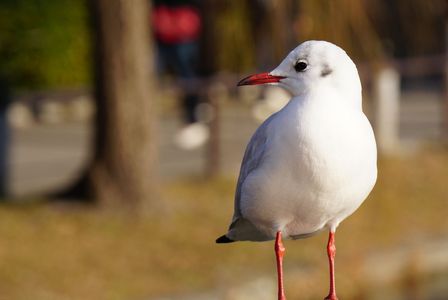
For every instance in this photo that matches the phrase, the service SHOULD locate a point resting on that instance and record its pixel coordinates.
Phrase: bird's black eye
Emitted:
(300, 66)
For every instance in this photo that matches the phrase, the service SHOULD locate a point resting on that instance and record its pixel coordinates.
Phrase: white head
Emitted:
(311, 66)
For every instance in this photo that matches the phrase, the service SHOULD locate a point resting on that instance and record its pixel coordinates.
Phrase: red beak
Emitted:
(260, 79)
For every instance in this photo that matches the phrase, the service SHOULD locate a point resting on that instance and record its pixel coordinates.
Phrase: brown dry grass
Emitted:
(54, 252)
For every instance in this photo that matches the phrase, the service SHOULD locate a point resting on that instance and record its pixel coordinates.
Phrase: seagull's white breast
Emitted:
(318, 166)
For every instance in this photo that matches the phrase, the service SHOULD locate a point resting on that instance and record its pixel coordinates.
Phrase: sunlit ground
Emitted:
(54, 251)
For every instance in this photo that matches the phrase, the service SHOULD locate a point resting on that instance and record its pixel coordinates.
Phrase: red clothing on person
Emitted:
(174, 25)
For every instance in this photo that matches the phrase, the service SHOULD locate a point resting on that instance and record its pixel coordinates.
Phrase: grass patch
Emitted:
(58, 252)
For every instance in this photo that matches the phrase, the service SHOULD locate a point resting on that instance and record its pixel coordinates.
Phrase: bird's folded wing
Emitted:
(253, 155)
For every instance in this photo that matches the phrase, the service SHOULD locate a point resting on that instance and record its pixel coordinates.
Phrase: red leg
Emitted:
(331, 251)
(279, 252)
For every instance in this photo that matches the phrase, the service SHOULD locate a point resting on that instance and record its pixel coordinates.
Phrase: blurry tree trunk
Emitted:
(207, 63)
(121, 171)
(281, 18)
(445, 111)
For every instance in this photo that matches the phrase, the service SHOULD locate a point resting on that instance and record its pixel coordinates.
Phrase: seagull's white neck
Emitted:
(348, 93)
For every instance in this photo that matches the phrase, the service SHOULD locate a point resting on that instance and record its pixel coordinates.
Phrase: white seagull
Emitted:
(310, 165)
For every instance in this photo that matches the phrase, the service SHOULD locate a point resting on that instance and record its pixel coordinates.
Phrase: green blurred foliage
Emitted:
(236, 43)
(410, 27)
(345, 23)
(250, 33)
(44, 43)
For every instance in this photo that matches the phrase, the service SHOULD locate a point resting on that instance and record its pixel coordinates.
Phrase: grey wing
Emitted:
(252, 157)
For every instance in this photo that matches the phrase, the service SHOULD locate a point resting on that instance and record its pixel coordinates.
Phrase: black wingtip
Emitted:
(223, 239)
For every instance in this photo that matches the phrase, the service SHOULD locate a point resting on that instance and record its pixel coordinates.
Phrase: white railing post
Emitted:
(387, 100)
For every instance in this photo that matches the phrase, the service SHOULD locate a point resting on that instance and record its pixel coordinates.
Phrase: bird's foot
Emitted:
(331, 297)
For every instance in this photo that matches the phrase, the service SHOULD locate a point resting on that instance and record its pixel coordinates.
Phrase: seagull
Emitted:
(311, 164)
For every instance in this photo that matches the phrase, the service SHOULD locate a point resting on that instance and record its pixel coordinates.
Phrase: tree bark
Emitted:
(122, 168)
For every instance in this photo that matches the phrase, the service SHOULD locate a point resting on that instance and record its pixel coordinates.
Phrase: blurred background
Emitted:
(122, 132)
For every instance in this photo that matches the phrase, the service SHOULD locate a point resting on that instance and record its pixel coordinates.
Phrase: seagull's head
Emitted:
(313, 64)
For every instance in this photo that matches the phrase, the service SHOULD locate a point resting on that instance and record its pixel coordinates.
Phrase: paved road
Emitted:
(45, 157)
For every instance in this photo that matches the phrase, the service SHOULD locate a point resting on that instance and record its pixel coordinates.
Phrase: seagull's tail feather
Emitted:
(223, 239)
(242, 229)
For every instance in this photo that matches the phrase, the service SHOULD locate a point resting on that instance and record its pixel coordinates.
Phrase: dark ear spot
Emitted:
(325, 71)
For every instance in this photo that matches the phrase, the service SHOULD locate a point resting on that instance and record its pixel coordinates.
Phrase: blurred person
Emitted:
(177, 28)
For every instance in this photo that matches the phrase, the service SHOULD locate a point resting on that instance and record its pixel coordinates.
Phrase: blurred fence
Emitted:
(387, 95)
(388, 106)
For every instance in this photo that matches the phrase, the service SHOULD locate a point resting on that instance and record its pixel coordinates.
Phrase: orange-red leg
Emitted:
(331, 251)
(279, 253)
